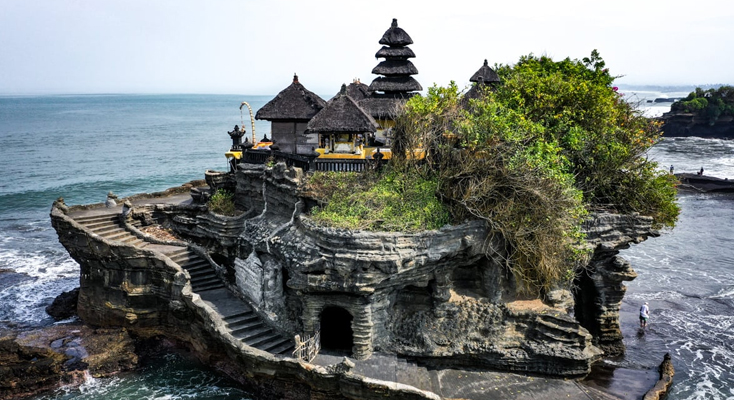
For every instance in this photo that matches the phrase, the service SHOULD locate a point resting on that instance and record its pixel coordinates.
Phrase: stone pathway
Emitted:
(242, 321)
(452, 383)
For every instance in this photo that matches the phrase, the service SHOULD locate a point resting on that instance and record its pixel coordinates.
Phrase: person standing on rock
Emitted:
(644, 315)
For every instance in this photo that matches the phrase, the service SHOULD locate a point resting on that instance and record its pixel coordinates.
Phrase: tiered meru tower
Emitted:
(395, 84)
(396, 80)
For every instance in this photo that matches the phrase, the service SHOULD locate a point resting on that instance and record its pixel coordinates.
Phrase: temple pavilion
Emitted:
(289, 113)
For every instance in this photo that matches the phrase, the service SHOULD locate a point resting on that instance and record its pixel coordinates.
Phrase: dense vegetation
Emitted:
(530, 157)
(711, 103)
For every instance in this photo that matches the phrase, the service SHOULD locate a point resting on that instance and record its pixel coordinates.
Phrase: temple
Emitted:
(268, 287)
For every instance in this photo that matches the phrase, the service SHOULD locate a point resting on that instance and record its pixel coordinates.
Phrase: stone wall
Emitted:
(149, 295)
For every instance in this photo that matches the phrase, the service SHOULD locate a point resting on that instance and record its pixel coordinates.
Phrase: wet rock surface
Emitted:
(64, 305)
(43, 359)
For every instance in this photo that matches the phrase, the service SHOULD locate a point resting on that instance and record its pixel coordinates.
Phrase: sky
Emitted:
(254, 47)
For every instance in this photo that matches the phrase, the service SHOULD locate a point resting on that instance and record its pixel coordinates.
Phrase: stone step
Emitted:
(118, 236)
(95, 218)
(212, 286)
(102, 224)
(245, 328)
(264, 339)
(185, 257)
(245, 324)
(205, 280)
(274, 341)
(249, 335)
(238, 316)
(199, 273)
(177, 254)
(195, 264)
(286, 348)
(107, 228)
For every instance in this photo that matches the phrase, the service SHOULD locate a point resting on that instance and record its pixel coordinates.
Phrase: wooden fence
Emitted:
(308, 348)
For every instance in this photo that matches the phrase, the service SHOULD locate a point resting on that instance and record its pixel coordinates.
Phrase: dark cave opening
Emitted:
(336, 330)
(586, 297)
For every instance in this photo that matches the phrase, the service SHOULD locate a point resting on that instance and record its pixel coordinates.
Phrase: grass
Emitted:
(376, 202)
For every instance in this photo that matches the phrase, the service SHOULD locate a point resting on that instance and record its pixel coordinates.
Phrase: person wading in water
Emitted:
(644, 315)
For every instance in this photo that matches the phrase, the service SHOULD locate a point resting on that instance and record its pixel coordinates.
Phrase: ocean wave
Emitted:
(44, 264)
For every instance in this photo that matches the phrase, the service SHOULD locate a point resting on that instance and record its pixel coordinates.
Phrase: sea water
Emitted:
(81, 147)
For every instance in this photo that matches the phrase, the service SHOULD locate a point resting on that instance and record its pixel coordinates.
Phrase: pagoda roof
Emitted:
(384, 107)
(395, 36)
(293, 103)
(485, 74)
(395, 84)
(395, 67)
(357, 90)
(395, 52)
(342, 114)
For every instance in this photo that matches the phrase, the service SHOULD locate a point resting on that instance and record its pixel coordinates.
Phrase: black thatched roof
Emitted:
(293, 103)
(395, 52)
(395, 36)
(357, 90)
(395, 67)
(485, 75)
(342, 114)
(395, 84)
(384, 107)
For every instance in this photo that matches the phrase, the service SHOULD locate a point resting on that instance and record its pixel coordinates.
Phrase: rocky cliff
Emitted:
(677, 124)
(434, 296)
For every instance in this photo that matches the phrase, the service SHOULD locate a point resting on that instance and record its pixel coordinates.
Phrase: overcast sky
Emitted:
(254, 47)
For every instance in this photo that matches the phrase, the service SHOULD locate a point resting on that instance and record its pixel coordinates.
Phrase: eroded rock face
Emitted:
(43, 359)
(437, 295)
(601, 285)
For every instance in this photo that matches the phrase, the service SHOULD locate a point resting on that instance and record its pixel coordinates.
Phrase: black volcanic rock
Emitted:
(64, 305)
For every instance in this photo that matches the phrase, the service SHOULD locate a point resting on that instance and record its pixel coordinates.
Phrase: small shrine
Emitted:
(343, 127)
(289, 113)
(484, 79)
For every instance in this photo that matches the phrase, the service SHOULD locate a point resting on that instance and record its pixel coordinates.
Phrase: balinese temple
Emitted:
(343, 128)
(395, 85)
(289, 113)
(485, 78)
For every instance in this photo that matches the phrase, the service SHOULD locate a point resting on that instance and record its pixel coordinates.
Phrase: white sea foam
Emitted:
(39, 264)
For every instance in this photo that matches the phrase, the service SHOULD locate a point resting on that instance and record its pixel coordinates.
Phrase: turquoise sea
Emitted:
(82, 146)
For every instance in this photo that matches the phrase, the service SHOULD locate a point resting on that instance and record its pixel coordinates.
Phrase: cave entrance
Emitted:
(586, 298)
(336, 330)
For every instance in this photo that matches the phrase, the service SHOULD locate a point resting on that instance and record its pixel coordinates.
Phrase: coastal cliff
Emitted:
(682, 124)
(432, 296)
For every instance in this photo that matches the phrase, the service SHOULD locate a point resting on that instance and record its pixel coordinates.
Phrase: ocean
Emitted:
(82, 146)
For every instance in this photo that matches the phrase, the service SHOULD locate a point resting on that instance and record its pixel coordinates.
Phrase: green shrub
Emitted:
(386, 201)
(554, 140)
(222, 202)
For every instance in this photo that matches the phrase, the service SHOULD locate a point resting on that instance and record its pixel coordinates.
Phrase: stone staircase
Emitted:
(203, 276)
(109, 227)
(241, 320)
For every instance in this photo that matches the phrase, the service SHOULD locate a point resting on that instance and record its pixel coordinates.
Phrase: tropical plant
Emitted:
(222, 202)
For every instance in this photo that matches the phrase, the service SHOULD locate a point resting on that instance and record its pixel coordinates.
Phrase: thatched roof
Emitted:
(342, 114)
(395, 84)
(293, 103)
(382, 107)
(395, 52)
(485, 75)
(395, 36)
(395, 67)
(357, 90)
